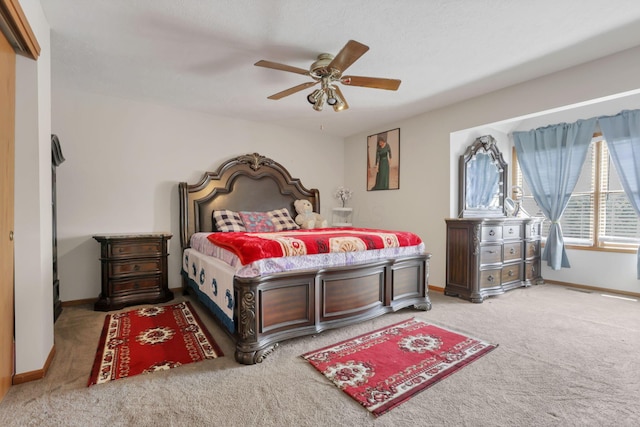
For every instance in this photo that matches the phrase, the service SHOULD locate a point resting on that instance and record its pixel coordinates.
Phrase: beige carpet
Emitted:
(565, 358)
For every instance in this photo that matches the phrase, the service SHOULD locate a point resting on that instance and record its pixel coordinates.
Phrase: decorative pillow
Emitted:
(282, 220)
(227, 220)
(257, 222)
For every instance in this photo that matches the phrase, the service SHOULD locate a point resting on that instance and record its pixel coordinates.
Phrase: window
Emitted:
(599, 214)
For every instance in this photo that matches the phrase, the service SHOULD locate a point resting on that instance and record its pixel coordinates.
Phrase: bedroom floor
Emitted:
(564, 358)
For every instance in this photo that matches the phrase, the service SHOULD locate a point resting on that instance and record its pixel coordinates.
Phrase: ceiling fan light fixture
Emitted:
(315, 96)
(332, 96)
(319, 103)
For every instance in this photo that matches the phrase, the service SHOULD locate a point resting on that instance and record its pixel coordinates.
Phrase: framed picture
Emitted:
(383, 161)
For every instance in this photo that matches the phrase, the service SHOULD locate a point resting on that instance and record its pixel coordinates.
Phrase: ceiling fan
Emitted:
(327, 71)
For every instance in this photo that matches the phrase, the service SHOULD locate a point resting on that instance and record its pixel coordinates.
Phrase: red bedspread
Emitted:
(251, 247)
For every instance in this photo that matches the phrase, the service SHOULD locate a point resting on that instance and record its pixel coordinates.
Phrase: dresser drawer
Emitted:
(511, 231)
(135, 284)
(119, 268)
(511, 272)
(533, 230)
(490, 278)
(512, 251)
(491, 233)
(532, 270)
(129, 249)
(532, 249)
(490, 254)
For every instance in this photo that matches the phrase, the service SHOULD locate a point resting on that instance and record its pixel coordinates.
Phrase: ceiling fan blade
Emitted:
(292, 90)
(344, 105)
(281, 67)
(348, 55)
(374, 82)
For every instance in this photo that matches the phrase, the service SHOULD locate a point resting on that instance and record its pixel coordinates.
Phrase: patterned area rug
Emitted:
(151, 339)
(384, 368)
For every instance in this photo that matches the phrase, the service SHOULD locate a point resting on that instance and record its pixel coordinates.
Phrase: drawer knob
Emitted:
(492, 251)
(490, 278)
(511, 231)
(136, 267)
(492, 232)
(512, 251)
(510, 273)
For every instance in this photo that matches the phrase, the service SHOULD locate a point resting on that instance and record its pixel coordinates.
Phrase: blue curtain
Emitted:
(622, 133)
(551, 159)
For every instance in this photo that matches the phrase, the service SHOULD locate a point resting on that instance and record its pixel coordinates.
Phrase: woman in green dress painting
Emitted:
(383, 154)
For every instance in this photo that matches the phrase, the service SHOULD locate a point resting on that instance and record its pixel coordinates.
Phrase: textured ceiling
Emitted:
(199, 55)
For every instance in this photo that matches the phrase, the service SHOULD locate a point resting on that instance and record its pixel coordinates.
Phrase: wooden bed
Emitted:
(272, 308)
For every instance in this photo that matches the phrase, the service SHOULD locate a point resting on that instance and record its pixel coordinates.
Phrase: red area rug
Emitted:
(151, 339)
(384, 368)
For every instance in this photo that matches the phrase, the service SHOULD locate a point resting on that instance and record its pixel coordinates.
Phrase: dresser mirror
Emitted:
(483, 180)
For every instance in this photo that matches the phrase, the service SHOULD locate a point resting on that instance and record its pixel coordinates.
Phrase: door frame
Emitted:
(15, 28)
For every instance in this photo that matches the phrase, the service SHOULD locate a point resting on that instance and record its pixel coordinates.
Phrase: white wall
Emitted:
(431, 144)
(33, 249)
(124, 161)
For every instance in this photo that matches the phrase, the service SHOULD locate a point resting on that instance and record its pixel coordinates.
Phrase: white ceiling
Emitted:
(199, 54)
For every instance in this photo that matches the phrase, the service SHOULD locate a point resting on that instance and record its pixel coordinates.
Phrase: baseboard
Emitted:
(25, 377)
(78, 302)
(91, 301)
(436, 289)
(592, 288)
(567, 284)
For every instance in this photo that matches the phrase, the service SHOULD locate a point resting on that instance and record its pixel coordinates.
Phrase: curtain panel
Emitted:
(551, 159)
(622, 133)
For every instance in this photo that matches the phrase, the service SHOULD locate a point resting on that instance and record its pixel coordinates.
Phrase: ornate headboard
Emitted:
(246, 183)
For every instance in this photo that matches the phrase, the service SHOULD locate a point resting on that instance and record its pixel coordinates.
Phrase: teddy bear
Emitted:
(306, 218)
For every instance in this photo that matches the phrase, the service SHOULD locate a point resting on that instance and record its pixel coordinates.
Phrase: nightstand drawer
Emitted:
(135, 284)
(119, 268)
(128, 249)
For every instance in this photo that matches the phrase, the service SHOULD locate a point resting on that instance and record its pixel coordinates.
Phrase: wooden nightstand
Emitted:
(134, 270)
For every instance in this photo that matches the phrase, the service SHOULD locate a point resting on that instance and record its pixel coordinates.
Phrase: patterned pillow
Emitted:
(257, 222)
(227, 220)
(282, 220)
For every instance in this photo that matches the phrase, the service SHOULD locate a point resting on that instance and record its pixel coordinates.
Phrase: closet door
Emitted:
(7, 158)
(15, 36)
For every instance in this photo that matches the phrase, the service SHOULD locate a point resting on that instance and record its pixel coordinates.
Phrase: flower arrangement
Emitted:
(343, 194)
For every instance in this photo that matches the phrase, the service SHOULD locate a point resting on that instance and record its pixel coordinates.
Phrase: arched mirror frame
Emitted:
(484, 144)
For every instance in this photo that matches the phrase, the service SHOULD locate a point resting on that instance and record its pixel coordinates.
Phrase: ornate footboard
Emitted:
(278, 307)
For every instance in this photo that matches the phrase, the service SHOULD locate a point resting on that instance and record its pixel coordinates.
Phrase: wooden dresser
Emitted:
(488, 256)
(134, 270)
